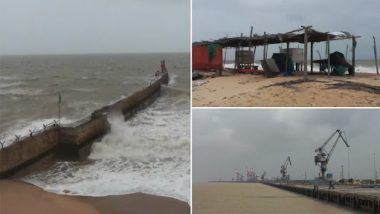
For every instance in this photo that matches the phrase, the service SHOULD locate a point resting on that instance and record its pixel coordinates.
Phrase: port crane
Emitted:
(322, 158)
(284, 168)
(263, 176)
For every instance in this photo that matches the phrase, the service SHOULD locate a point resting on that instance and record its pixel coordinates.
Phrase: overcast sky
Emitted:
(94, 26)
(229, 139)
(213, 19)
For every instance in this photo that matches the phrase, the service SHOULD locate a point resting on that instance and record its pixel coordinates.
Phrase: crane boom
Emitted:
(336, 141)
(327, 141)
(322, 156)
(284, 167)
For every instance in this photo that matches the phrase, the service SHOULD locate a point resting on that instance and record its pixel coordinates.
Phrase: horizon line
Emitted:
(96, 53)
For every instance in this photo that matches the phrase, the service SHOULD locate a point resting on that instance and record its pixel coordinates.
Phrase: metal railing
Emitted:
(18, 138)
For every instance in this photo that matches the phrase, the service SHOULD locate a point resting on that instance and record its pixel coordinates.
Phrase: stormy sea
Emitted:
(149, 153)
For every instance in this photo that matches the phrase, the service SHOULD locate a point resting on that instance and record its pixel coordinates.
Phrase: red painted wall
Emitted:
(201, 61)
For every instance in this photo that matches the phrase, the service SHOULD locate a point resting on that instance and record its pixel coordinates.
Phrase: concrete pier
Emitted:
(72, 142)
(366, 199)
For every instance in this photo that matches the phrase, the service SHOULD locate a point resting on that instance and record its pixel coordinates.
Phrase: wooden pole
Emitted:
(328, 54)
(225, 56)
(311, 56)
(235, 66)
(265, 40)
(249, 48)
(305, 51)
(254, 53)
(375, 51)
(224, 61)
(239, 63)
(59, 108)
(287, 56)
(353, 54)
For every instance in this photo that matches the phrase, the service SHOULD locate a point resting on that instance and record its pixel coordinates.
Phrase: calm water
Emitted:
(150, 153)
(212, 198)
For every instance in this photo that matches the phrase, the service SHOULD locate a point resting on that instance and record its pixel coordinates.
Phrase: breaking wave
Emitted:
(149, 154)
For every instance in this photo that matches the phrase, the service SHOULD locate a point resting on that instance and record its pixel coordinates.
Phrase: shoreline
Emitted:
(246, 90)
(21, 197)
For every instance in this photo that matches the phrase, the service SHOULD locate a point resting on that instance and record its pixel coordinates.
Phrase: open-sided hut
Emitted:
(305, 35)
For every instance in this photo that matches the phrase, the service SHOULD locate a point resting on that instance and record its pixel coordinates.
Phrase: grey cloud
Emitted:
(226, 139)
(214, 19)
(94, 26)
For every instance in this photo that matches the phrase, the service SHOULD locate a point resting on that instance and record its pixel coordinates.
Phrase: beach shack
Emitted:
(207, 56)
(288, 58)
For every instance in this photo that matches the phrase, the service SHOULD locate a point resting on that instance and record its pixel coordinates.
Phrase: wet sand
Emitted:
(213, 198)
(245, 90)
(18, 197)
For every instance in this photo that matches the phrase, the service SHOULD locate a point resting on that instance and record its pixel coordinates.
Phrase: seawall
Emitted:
(353, 198)
(72, 142)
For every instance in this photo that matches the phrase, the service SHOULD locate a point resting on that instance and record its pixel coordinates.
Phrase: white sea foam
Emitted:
(365, 69)
(117, 100)
(149, 154)
(10, 84)
(83, 89)
(358, 68)
(7, 78)
(20, 91)
(232, 66)
(172, 79)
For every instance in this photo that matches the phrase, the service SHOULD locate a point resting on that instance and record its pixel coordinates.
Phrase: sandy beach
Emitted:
(362, 90)
(18, 197)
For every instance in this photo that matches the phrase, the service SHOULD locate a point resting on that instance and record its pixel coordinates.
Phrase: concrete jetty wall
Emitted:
(27, 150)
(362, 201)
(73, 142)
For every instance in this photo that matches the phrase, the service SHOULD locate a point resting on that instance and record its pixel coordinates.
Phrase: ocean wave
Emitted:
(365, 69)
(150, 153)
(2, 78)
(20, 91)
(10, 84)
(358, 68)
(172, 79)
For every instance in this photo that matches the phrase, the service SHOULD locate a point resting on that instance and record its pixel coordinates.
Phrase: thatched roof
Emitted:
(293, 36)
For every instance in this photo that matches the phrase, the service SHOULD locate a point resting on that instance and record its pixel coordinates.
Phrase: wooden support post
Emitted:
(353, 54)
(287, 57)
(224, 61)
(264, 49)
(311, 56)
(305, 50)
(328, 55)
(249, 49)
(254, 53)
(375, 52)
(225, 56)
(235, 66)
(59, 108)
(240, 48)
